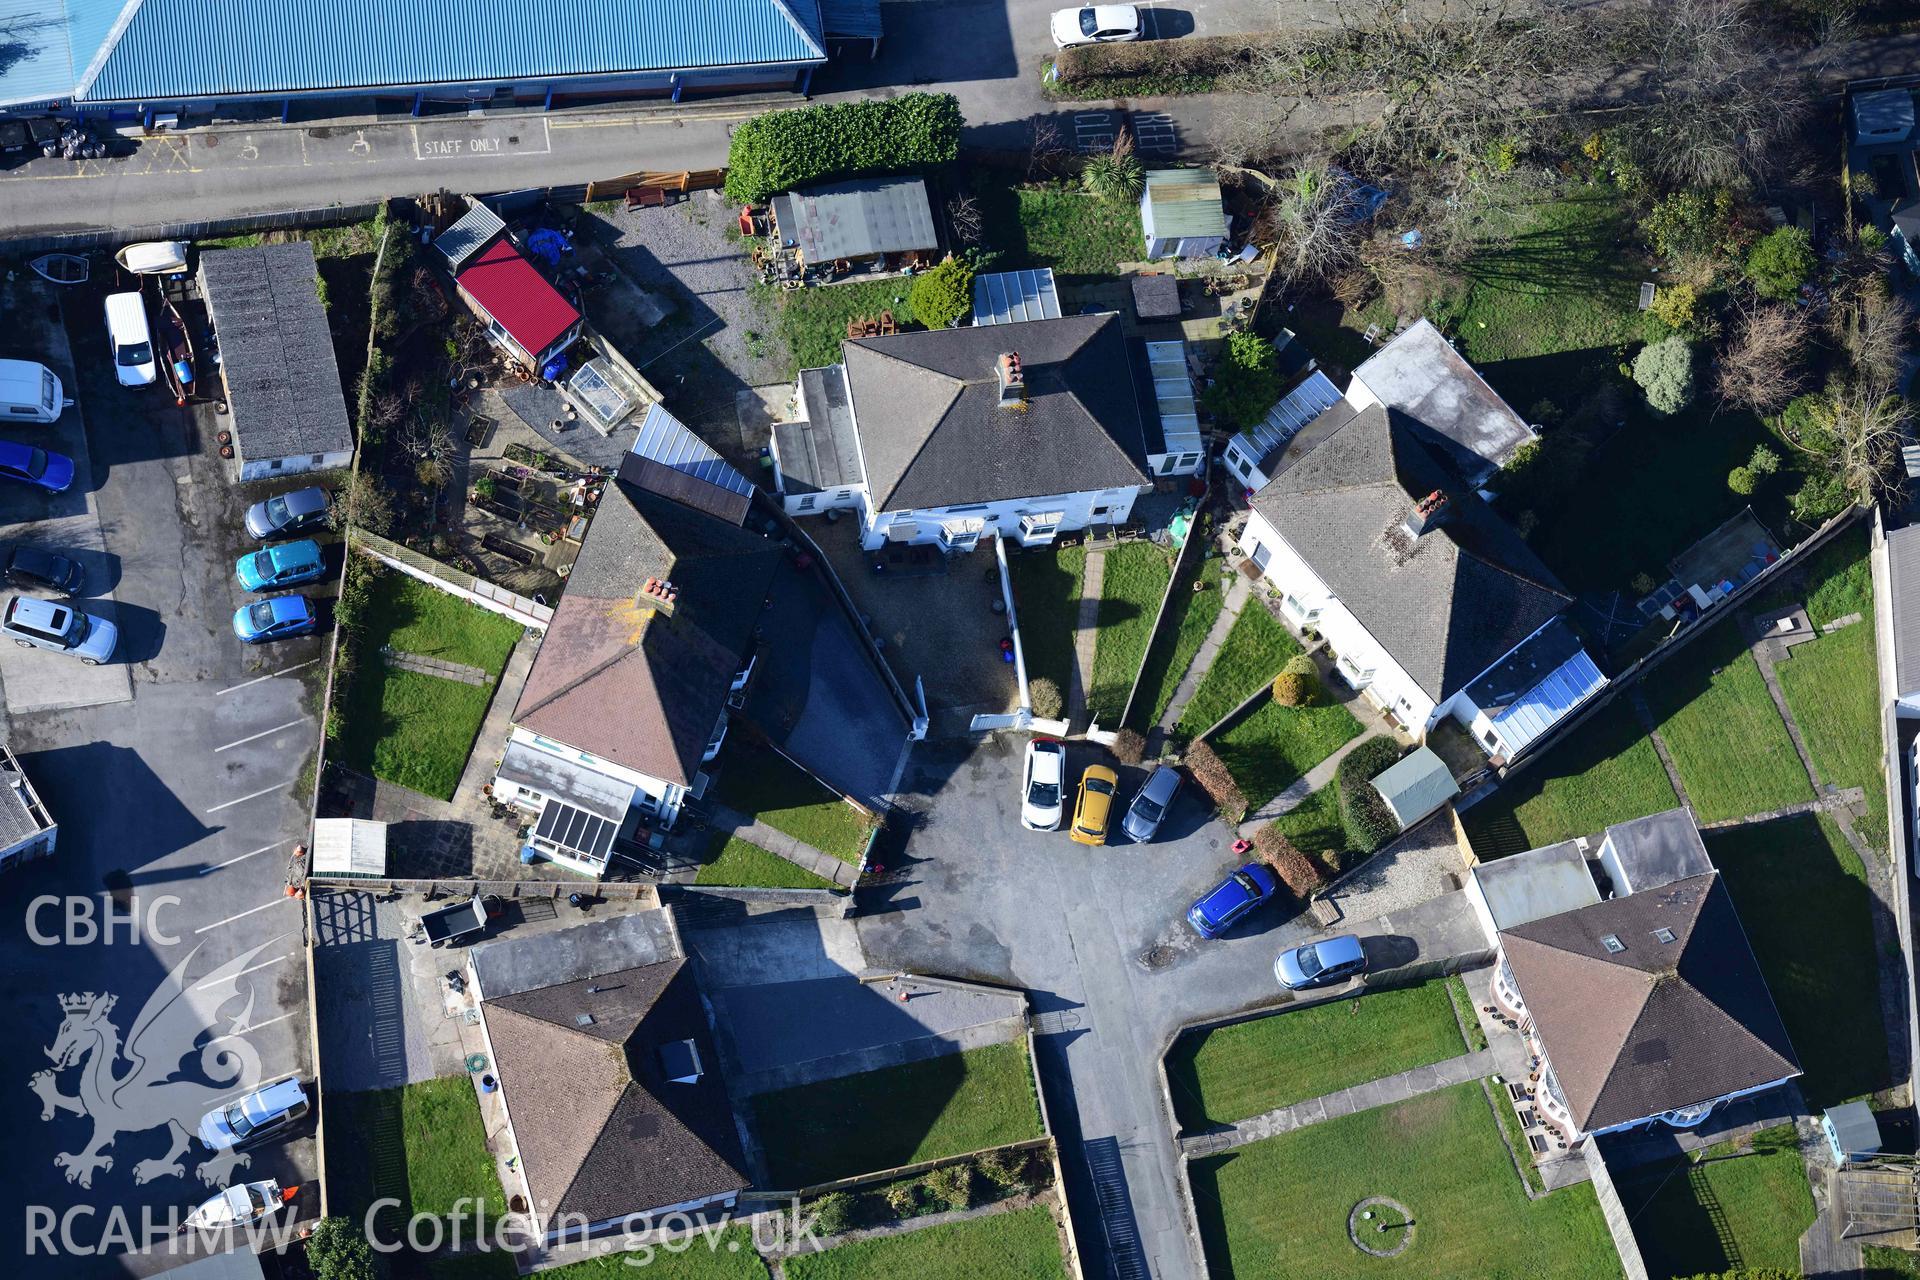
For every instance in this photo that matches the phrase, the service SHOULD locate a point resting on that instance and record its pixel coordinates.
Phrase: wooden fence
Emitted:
(683, 180)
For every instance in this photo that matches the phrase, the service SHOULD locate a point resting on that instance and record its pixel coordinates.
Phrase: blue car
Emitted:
(38, 467)
(280, 618)
(286, 565)
(1225, 903)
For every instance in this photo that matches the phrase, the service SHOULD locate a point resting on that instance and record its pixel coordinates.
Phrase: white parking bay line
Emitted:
(251, 796)
(235, 1035)
(264, 964)
(267, 848)
(250, 911)
(271, 675)
(267, 733)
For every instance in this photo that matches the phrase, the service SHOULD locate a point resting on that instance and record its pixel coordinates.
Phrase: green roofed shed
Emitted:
(1416, 786)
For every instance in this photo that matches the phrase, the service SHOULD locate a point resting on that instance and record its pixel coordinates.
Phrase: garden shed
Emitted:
(1416, 786)
(1182, 214)
(286, 408)
(856, 221)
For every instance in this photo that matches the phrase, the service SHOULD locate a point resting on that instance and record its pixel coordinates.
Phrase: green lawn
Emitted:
(412, 729)
(1606, 772)
(1189, 619)
(814, 321)
(1046, 599)
(1277, 1209)
(1022, 1245)
(424, 1145)
(742, 864)
(1061, 227)
(1723, 731)
(1241, 1070)
(1803, 899)
(1744, 1204)
(1274, 745)
(1832, 688)
(944, 1106)
(1834, 580)
(762, 784)
(1133, 581)
(1890, 1264)
(729, 1256)
(1252, 655)
(1314, 826)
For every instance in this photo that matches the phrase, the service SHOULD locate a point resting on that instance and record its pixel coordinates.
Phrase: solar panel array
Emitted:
(576, 830)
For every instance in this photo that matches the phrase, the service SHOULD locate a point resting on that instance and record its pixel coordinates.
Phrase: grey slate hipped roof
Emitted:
(926, 407)
(1446, 605)
(1657, 1025)
(577, 1020)
(276, 352)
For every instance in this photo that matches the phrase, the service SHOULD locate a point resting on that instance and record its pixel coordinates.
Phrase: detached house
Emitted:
(1643, 1002)
(1376, 537)
(651, 645)
(1025, 429)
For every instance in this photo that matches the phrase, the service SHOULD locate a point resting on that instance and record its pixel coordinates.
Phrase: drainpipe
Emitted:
(548, 104)
(1013, 623)
(419, 101)
(676, 84)
(806, 83)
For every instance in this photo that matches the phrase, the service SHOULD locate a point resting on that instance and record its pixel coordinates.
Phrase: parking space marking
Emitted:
(267, 733)
(252, 1027)
(252, 795)
(268, 848)
(264, 964)
(272, 675)
(250, 911)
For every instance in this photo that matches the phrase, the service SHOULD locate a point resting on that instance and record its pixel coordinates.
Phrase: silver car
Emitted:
(1322, 963)
(1150, 804)
(59, 627)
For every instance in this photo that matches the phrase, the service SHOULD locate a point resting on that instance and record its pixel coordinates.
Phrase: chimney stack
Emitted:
(1426, 513)
(1013, 380)
(658, 593)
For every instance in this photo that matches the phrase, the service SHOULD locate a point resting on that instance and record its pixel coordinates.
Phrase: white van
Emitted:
(131, 340)
(30, 392)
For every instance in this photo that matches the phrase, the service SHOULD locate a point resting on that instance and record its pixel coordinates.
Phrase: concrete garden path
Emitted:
(778, 842)
(1230, 606)
(1296, 792)
(1361, 1097)
(1086, 630)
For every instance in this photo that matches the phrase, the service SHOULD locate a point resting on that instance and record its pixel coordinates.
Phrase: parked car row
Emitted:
(1043, 797)
(282, 564)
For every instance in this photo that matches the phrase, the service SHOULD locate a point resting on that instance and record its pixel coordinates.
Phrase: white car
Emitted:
(1099, 24)
(131, 340)
(1041, 799)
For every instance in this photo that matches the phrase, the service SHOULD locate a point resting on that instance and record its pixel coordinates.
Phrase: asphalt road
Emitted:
(179, 800)
(1099, 940)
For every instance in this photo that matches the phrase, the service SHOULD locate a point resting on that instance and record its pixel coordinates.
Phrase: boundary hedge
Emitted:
(781, 150)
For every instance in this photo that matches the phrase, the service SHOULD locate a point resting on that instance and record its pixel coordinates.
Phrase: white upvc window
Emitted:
(1353, 673)
(1040, 526)
(1299, 612)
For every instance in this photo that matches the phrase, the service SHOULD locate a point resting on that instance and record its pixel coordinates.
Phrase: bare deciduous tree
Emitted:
(1874, 324)
(1318, 220)
(1855, 431)
(963, 215)
(1046, 150)
(1760, 369)
(1718, 100)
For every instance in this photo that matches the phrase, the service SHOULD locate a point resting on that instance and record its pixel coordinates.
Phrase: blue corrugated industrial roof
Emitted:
(157, 50)
(36, 47)
(1566, 687)
(851, 19)
(1002, 297)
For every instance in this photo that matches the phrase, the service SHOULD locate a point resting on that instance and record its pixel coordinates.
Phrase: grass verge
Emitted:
(1723, 731)
(1463, 1010)
(760, 783)
(1046, 598)
(1189, 619)
(1021, 1245)
(1607, 772)
(741, 864)
(1241, 1070)
(423, 1145)
(1803, 899)
(412, 729)
(1277, 1209)
(944, 1106)
(1252, 655)
(1133, 580)
(1739, 1205)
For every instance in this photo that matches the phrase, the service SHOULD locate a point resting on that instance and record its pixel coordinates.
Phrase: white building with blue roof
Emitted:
(137, 58)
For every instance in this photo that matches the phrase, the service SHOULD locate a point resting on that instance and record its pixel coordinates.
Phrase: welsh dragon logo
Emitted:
(181, 1019)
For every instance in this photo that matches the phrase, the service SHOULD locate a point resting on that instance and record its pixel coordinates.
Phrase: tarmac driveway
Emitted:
(1098, 937)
